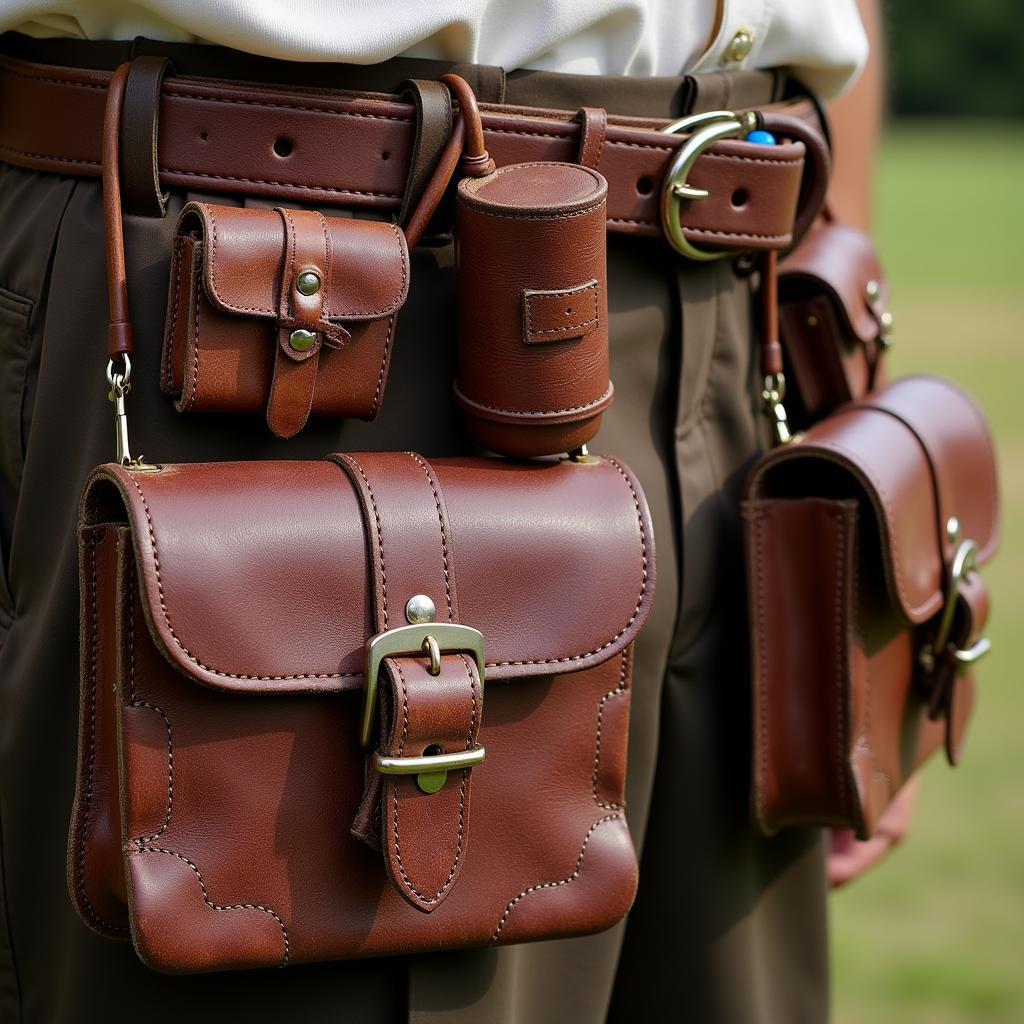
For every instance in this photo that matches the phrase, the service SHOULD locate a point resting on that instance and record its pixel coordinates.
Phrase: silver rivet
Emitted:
(308, 282)
(419, 608)
(740, 46)
(886, 321)
(953, 530)
(302, 341)
(874, 289)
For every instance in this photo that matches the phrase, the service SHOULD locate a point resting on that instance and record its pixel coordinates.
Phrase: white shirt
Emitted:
(822, 41)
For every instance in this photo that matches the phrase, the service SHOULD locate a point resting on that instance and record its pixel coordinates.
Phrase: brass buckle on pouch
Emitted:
(706, 129)
(964, 563)
(432, 639)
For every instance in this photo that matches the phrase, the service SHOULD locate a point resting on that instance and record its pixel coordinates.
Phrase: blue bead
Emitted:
(761, 138)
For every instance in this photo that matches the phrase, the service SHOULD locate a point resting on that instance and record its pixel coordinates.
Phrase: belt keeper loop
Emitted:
(140, 132)
(593, 128)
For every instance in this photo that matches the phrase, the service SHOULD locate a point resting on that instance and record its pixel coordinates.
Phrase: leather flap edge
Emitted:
(921, 452)
(840, 261)
(256, 575)
(243, 259)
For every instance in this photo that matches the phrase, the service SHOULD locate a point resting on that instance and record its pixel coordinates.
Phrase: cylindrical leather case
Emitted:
(533, 308)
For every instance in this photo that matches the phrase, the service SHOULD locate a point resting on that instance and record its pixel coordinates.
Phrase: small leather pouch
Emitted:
(282, 310)
(533, 308)
(365, 706)
(864, 547)
(834, 323)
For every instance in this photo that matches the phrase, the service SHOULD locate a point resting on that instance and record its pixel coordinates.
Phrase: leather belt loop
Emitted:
(593, 129)
(433, 127)
(140, 124)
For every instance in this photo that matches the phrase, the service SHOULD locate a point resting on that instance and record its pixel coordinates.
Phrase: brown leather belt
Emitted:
(354, 150)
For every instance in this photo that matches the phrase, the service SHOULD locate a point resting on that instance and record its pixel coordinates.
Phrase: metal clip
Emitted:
(120, 388)
(773, 394)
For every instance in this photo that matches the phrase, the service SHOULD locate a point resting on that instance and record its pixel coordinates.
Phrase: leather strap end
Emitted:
(119, 339)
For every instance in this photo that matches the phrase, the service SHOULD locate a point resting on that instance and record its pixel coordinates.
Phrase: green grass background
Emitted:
(936, 934)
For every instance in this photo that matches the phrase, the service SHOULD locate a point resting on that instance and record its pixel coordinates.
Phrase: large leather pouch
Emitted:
(834, 322)
(283, 311)
(227, 814)
(864, 547)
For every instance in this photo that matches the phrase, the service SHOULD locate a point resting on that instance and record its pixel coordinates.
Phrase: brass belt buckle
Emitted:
(706, 129)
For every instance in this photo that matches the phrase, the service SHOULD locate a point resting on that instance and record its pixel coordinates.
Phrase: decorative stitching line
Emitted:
(6, 69)
(184, 650)
(645, 581)
(176, 89)
(178, 245)
(462, 790)
(90, 787)
(556, 884)
(195, 355)
(222, 907)
(530, 414)
(375, 408)
(380, 535)
(444, 535)
(76, 161)
(530, 296)
(255, 181)
(152, 707)
(621, 688)
(544, 217)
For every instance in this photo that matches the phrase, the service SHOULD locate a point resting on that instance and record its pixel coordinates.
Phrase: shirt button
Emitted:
(739, 46)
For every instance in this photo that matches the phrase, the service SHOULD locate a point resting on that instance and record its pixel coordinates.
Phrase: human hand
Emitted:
(849, 857)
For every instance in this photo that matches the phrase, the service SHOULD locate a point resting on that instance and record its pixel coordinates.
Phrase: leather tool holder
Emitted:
(864, 547)
(533, 308)
(282, 310)
(236, 655)
(834, 322)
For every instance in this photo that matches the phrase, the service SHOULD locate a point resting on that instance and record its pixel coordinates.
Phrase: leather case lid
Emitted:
(920, 451)
(244, 259)
(839, 260)
(256, 576)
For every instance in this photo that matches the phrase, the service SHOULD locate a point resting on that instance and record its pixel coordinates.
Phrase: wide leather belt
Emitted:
(355, 150)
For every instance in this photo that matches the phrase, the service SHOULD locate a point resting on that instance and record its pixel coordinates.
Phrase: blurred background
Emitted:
(936, 935)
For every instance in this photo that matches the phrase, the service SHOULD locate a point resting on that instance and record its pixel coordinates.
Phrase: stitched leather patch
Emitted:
(559, 314)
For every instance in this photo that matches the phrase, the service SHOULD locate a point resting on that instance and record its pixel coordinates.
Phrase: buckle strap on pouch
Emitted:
(424, 681)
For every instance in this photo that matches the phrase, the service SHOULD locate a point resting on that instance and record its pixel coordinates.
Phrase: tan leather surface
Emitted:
(233, 303)
(237, 805)
(848, 567)
(219, 137)
(533, 308)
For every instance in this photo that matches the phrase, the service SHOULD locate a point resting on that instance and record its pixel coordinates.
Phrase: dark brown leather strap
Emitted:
(301, 319)
(220, 136)
(593, 130)
(140, 123)
(433, 105)
(119, 331)
(423, 835)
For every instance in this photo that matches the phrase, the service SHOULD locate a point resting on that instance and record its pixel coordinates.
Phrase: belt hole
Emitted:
(433, 750)
(740, 198)
(283, 147)
(385, 155)
(204, 136)
(645, 186)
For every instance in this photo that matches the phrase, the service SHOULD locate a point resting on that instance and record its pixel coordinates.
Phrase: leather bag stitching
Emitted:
(222, 907)
(565, 659)
(577, 871)
(446, 885)
(620, 689)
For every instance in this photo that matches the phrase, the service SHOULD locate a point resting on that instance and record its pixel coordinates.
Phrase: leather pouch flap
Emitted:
(256, 577)
(842, 262)
(920, 452)
(245, 263)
